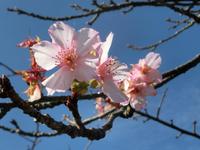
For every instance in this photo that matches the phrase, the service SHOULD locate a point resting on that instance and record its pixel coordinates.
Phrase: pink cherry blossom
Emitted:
(103, 105)
(99, 105)
(72, 51)
(139, 83)
(28, 42)
(110, 72)
(136, 89)
(146, 69)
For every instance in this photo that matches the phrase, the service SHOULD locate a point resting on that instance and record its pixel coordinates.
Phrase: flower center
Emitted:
(67, 58)
(106, 69)
(145, 69)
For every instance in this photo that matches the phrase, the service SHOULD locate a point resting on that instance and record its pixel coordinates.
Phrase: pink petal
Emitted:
(45, 53)
(121, 72)
(51, 91)
(113, 92)
(60, 81)
(153, 76)
(85, 71)
(125, 103)
(36, 95)
(153, 60)
(148, 91)
(105, 48)
(138, 104)
(62, 34)
(86, 39)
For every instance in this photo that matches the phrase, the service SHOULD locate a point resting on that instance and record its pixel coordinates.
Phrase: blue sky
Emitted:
(142, 26)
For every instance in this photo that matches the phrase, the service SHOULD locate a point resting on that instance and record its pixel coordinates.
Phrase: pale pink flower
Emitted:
(99, 105)
(137, 93)
(146, 69)
(135, 89)
(110, 72)
(139, 83)
(103, 105)
(74, 52)
(138, 104)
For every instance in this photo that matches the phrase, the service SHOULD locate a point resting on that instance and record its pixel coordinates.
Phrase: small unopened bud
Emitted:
(94, 84)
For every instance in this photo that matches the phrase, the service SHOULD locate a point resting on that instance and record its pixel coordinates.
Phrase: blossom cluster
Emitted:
(82, 59)
(35, 74)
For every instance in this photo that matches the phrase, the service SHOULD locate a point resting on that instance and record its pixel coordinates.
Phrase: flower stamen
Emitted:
(67, 58)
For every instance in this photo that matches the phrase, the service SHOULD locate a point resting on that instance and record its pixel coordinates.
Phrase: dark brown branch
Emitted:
(185, 12)
(50, 102)
(100, 116)
(72, 131)
(92, 134)
(168, 76)
(120, 113)
(8, 68)
(19, 131)
(103, 8)
(168, 124)
(3, 111)
(72, 104)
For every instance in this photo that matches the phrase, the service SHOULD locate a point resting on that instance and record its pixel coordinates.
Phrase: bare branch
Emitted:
(36, 139)
(52, 101)
(113, 6)
(168, 76)
(28, 134)
(8, 68)
(168, 124)
(160, 42)
(161, 103)
(100, 116)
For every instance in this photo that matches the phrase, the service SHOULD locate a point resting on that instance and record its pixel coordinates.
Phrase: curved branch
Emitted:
(8, 68)
(170, 75)
(52, 101)
(30, 134)
(72, 131)
(103, 8)
(168, 124)
(160, 42)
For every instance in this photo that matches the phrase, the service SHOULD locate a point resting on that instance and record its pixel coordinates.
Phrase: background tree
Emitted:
(136, 22)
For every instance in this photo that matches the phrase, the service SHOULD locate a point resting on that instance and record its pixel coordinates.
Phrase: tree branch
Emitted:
(160, 42)
(168, 76)
(103, 8)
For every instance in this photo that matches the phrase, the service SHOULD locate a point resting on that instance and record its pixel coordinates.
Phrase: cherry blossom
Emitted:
(146, 69)
(99, 105)
(35, 74)
(141, 78)
(28, 42)
(103, 105)
(74, 52)
(110, 72)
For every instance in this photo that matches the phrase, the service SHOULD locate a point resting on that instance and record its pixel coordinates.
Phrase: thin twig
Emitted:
(8, 68)
(110, 7)
(169, 75)
(160, 42)
(161, 103)
(36, 139)
(87, 146)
